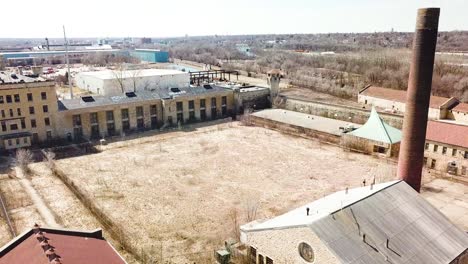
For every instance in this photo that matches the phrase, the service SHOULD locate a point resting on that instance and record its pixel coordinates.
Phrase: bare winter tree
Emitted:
(119, 76)
(135, 77)
(23, 159)
(49, 158)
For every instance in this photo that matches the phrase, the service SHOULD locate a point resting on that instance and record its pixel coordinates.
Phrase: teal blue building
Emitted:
(150, 55)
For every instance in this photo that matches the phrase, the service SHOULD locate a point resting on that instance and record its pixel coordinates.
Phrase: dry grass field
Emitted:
(177, 195)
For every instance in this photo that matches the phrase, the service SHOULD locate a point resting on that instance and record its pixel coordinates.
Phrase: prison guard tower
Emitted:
(273, 80)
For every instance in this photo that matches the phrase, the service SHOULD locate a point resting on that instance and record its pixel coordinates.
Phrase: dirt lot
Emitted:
(176, 194)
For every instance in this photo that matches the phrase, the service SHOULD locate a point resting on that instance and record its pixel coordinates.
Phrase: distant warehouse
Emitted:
(115, 82)
(151, 55)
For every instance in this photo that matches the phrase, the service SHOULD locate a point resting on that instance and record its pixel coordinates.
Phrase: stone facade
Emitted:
(110, 120)
(31, 114)
(446, 158)
(460, 114)
(27, 113)
(282, 246)
(370, 146)
(187, 109)
(395, 101)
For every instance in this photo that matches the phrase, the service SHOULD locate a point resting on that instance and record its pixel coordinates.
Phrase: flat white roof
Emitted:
(323, 124)
(317, 209)
(111, 74)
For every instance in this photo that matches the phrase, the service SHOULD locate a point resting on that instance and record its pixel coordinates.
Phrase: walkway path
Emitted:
(44, 211)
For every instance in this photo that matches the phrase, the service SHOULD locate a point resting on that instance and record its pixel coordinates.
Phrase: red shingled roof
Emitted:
(72, 247)
(461, 107)
(400, 96)
(448, 133)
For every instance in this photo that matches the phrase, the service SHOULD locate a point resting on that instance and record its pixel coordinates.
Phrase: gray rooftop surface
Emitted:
(78, 103)
(7, 77)
(417, 232)
(322, 124)
(163, 93)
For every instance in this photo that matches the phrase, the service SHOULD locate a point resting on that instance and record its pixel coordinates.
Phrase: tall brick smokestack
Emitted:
(411, 157)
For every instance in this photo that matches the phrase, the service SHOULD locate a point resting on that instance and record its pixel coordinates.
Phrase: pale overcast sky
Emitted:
(158, 18)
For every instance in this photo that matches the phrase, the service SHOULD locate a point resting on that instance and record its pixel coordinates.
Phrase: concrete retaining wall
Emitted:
(340, 112)
(294, 130)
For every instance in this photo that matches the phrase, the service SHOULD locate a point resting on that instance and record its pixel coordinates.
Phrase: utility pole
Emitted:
(68, 63)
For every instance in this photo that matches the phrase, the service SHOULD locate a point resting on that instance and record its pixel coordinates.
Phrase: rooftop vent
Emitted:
(175, 90)
(13, 76)
(207, 86)
(130, 94)
(87, 99)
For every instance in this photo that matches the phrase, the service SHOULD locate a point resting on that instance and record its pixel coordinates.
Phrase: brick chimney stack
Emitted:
(411, 156)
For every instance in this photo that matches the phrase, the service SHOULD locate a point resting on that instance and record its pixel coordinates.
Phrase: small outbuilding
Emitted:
(375, 136)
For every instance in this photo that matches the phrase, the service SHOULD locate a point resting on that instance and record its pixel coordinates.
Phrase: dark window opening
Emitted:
(44, 95)
(110, 129)
(179, 106)
(139, 111)
(191, 104)
(154, 122)
(203, 114)
(124, 113)
(202, 103)
(76, 120)
(153, 110)
(47, 121)
(140, 123)
(180, 117)
(78, 133)
(175, 90)
(93, 118)
(33, 123)
(30, 97)
(35, 138)
(380, 149)
(110, 116)
(213, 113)
(125, 125)
(31, 110)
(95, 131)
(8, 99)
(45, 108)
(17, 98)
(13, 127)
(224, 111)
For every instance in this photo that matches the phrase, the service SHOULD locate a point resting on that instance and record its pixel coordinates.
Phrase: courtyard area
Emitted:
(184, 193)
(178, 196)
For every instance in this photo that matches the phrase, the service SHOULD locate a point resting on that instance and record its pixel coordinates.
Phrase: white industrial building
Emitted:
(115, 82)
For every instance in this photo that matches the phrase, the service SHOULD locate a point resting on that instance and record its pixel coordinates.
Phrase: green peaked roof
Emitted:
(376, 129)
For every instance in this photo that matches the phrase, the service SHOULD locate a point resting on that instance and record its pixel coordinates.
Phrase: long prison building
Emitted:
(31, 114)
